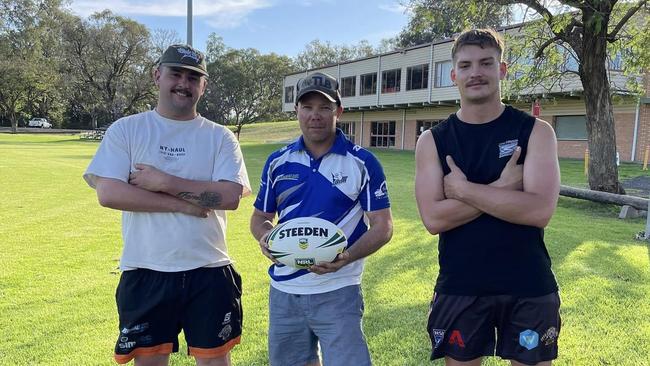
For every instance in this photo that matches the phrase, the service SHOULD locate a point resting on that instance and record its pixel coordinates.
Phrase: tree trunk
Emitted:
(601, 134)
(14, 123)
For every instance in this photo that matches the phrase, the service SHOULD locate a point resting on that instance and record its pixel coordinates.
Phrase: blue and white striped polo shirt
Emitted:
(338, 187)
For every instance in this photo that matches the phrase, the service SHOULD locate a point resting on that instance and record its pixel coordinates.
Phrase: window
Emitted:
(571, 127)
(417, 77)
(382, 134)
(348, 85)
(424, 125)
(390, 81)
(348, 129)
(368, 84)
(443, 74)
(288, 94)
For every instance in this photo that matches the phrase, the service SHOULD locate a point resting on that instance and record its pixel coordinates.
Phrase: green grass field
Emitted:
(60, 249)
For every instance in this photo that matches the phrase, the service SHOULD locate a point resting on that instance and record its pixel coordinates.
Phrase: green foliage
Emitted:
(433, 20)
(58, 268)
(245, 86)
(109, 64)
(318, 54)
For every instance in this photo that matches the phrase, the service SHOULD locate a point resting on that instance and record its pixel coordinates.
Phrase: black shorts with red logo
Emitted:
(154, 306)
(514, 328)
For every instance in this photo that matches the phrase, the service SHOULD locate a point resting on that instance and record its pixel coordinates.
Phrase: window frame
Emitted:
(397, 81)
(380, 132)
(362, 89)
(558, 129)
(287, 94)
(343, 86)
(348, 128)
(439, 74)
(424, 80)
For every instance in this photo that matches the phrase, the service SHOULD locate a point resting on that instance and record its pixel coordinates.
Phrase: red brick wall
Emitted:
(643, 139)
(624, 127)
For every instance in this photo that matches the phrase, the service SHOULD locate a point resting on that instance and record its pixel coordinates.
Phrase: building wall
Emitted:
(624, 116)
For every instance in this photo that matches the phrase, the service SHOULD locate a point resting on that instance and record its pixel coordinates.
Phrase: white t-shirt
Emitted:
(197, 150)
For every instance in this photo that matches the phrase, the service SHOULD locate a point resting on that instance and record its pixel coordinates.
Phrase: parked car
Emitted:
(39, 122)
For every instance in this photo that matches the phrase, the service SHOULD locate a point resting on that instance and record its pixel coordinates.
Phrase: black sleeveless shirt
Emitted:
(490, 256)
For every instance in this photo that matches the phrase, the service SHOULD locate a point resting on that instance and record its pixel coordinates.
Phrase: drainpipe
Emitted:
(378, 79)
(403, 124)
(636, 129)
(430, 79)
(361, 132)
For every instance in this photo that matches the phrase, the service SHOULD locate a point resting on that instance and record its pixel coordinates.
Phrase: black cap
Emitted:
(185, 56)
(321, 83)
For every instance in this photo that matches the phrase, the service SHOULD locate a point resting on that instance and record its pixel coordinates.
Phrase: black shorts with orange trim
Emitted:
(155, 306)
(514, 328)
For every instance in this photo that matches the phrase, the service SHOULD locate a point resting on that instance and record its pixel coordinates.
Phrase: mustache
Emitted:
(476, 82)
(183, 91)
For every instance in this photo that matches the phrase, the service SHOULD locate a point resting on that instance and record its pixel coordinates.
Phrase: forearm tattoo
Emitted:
(205, 199)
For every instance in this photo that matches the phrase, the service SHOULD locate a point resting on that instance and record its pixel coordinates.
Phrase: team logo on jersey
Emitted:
(438, 336)
(303, 243)
(507, 148)
(287, 177)
(225, 332)
(338, 178)
(550, 336)
(456, 339)
(382, 191)
(529, 339)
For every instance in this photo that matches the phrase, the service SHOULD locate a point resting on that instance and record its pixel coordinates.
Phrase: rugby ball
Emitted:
(305, 241)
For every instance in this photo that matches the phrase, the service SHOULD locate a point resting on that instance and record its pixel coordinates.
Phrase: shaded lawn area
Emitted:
(60, 251)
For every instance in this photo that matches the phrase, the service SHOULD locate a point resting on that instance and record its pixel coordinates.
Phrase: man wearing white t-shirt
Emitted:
(173, 174)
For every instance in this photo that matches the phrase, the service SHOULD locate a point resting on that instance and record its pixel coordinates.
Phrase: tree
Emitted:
(244, 87)
(109, 64)
(28, 43)
(582, 32)
(434, 19)
(163, 38)
(318, 54)
(561, 33)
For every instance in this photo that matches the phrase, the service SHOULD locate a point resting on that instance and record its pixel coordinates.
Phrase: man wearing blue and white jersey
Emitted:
(322, 174)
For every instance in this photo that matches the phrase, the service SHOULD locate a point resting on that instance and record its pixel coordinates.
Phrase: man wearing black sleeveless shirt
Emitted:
(487, 181)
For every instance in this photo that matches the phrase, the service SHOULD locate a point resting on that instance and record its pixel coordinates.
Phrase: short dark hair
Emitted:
(483, 38)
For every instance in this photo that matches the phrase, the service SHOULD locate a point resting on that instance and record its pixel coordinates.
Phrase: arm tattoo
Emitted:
(210, 199)
(205, 199)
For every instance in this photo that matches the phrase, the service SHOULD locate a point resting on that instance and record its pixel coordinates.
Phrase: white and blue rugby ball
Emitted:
(305, 241)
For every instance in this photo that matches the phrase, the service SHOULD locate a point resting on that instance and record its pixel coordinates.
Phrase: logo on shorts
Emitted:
(506, 148)
(303, 243)
(456, 339)
(139, 328)
(529, 339)
(438, 336)
(126, 345)
(225, 332)
(550, 336)
(226, 319)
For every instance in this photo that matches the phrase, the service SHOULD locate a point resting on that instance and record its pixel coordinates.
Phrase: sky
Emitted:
(280, 26)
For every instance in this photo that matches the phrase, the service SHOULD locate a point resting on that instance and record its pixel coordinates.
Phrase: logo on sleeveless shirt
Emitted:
(507, 148)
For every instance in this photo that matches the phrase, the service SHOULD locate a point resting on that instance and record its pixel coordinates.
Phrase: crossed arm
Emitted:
(152, 190)
(379, 233)
(522, 195)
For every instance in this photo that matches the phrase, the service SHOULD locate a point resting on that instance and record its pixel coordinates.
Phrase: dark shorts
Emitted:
(514, 328)
(154, 306)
